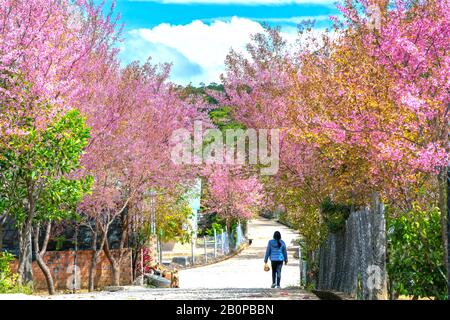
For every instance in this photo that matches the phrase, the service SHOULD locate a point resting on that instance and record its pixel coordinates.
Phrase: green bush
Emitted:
(215, 226)
(415, 254)
(8, 279)
(212, 221)
(283, 218)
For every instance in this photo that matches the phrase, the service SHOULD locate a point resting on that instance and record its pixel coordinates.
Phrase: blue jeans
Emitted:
(276, 272)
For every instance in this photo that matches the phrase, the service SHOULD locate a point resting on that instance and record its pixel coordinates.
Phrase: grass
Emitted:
(17, 289)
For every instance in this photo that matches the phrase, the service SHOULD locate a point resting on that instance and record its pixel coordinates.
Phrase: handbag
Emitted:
(266, 267)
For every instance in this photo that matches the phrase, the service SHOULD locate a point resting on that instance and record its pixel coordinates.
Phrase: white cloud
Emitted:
(186, 46)
(197, 50)
(138, 48)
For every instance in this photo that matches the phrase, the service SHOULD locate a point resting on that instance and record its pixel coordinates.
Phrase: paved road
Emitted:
(240, 277)
(141, 293)
(246, 269)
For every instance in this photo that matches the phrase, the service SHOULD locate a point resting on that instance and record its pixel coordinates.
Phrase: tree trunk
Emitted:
(25, 269)
(134, 261)
(40, 256)
(116, 274)
(25, 241)
(310, 278)
(95, 256)
(92, 270)
(94, 259)
(115, 264)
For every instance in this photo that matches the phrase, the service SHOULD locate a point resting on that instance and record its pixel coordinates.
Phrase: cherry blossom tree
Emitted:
(233, 194)
(44, 48)
(411, 43)
(132, 118)
(363, 110)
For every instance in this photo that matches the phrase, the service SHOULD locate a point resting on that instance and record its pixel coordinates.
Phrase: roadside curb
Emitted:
(331, 295)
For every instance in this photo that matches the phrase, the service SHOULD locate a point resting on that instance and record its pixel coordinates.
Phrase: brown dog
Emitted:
(174, 279)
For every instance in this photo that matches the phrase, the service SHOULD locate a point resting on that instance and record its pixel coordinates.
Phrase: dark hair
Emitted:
(277, 236)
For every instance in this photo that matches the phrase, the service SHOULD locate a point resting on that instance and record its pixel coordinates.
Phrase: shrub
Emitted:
(215, 226)
(415, 254)
(334, 214)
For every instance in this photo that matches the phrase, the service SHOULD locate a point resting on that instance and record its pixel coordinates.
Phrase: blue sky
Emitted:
(196, 35)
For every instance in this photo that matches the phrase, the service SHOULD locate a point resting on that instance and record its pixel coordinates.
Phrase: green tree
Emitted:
(37, 183)
(172, 217)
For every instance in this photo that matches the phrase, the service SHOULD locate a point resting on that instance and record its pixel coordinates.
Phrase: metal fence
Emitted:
(205, 249)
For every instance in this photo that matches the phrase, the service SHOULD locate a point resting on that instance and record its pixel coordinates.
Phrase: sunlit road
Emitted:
(240, 277)
(246, 269)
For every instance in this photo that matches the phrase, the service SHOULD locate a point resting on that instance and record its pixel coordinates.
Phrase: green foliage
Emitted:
(172, 219)
(312, 232)
(220, 115)
(201, 91)
(215, 226)
(212, 222)
(223, 119)
(334, 214)
(311, 228)
(359, 288)
(415, 254)
(59, 242)
(286, 219)
(8, 279)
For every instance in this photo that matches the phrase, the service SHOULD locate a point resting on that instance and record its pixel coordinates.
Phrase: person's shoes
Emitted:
(278, 287)
(273, 286)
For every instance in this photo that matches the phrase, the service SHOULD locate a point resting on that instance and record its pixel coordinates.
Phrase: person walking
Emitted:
(276, 251)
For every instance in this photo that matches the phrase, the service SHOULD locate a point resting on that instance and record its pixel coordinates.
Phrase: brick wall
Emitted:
(61, 264)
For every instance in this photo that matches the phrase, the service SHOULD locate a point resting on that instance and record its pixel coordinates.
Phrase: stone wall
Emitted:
(61, 264)
(353, 260)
